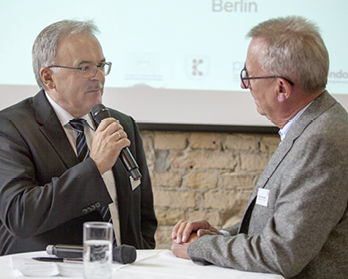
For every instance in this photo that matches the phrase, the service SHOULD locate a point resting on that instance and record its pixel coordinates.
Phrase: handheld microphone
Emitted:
(65, 251)
(123, 254)
(99, 112)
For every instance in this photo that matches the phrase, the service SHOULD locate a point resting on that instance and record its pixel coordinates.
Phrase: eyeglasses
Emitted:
(89, 70)
(244, 76)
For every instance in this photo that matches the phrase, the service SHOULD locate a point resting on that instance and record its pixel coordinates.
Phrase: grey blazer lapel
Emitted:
(318, 106)
(53, 130)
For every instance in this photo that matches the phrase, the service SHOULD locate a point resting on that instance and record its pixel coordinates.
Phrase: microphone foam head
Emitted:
(124, 254)
(99, 112)
(97, 109)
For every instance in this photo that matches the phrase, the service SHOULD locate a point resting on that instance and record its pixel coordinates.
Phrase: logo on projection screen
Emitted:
(338, 76)
(197, 67)
(143, 67)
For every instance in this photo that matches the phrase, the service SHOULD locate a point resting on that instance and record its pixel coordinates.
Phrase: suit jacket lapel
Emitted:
(52, 129)
(123, 195)
(318, 106)
(122, 189)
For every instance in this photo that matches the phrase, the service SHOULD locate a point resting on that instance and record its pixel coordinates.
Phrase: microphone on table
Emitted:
(99, 112)
(123, 254)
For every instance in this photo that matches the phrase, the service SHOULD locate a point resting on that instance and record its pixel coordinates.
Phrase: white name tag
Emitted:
(134, 183)
(262, 197)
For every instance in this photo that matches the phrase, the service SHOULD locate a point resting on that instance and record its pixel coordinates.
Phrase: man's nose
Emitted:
(98, 75)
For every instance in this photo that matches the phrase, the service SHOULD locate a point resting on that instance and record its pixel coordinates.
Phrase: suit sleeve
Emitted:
(311, 201)
(232, 230)
(29, 206)
(148, 218)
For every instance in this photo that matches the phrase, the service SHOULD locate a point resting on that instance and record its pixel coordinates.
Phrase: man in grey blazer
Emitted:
(296, 221)
(46, 192)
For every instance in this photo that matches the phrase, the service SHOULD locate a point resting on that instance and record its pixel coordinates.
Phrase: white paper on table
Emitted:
(28, 267)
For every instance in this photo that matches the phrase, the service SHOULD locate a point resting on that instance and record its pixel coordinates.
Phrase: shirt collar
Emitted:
(64, 116)
(283, 131)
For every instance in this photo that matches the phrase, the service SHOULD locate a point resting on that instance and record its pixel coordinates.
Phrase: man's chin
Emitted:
(92, 103)
(261, 113)
(95, 98)
(260, 110)
(95, 103)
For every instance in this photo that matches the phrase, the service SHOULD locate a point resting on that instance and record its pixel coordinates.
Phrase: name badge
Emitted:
(262, 197)
(134, 183)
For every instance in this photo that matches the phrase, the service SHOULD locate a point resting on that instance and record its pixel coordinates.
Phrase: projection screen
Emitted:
(174, 61)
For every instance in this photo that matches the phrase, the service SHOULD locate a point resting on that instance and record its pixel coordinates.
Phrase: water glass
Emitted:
(97, 250)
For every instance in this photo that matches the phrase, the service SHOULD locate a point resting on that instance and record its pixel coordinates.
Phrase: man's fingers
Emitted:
(110, 125)
(210, 231)
(189, 228)
(119, 134)
(183, 229)
(108, 141)
(180, 231)
(111, 131)
(175, 229)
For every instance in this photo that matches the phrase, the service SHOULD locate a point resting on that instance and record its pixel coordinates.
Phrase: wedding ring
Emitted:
(118, 134)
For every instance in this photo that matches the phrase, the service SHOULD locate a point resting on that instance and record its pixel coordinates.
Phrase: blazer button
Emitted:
(84, 211)
(97, 204)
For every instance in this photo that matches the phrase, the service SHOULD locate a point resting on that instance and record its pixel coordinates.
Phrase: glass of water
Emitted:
(97, 250)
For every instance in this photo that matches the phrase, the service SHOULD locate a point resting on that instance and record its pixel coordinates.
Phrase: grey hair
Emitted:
(295, 50)
(45, 45)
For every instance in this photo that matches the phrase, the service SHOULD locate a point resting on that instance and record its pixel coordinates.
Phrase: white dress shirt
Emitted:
(283, 131)
(108, 177)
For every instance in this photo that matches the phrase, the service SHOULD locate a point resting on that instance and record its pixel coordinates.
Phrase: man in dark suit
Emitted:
(47, 191)
(296, 221)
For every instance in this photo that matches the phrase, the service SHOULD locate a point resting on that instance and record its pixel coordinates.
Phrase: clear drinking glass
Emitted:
(97, 250)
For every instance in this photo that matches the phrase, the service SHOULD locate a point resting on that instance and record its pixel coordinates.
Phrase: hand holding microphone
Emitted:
(109, 142)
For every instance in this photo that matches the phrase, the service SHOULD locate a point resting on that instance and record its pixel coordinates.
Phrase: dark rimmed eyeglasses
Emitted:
(244, 76)
(88, 70)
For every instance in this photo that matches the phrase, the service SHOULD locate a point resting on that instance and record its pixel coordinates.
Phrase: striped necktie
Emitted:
(83, 153)
(81, 143)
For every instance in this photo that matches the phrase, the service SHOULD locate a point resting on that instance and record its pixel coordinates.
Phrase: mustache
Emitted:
(97, 86)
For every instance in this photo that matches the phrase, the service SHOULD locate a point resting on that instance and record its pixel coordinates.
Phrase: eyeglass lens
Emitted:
(244, 77)
(90, 70)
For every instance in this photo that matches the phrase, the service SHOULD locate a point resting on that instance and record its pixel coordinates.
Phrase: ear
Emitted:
(284, 90)
(46, 77)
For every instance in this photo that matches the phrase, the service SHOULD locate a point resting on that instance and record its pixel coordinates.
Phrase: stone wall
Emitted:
(198, 175)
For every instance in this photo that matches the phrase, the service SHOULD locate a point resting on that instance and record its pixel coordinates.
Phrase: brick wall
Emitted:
(197, 175)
